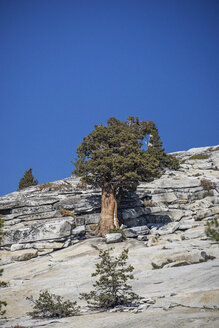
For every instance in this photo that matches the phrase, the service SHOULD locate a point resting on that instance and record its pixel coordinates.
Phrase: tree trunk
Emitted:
(108, 215)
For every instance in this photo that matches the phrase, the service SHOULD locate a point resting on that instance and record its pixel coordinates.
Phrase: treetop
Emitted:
(116, 154)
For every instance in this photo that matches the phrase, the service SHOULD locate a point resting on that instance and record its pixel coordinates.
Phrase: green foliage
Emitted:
(52, 306)
(183, 161)
(111, 289)
(118, 230)
(194, 157)
(199, 156)
(27, 180)
(215, 149)
(212, 229)
(114, 155)
(2, 283)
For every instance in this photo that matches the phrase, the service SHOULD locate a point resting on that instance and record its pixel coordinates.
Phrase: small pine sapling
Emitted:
(111, 289)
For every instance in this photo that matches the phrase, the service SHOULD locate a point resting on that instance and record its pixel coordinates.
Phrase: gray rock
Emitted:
(79, 231)
(24, 255)
(32, 210)
(168, 229)
(130, 234)
(135, 231)
(142, 238)
(188, 224)
(33, 215)
(113, 238)
(166, 197)
(51, 230)
(197, 232)
(179, 258)
(135, 212)
(18, 247)
(142, 230)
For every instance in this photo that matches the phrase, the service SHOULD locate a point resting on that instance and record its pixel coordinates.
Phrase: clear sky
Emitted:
(66, 65)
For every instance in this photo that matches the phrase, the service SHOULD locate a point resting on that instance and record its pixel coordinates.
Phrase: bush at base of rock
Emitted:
(212, 229)
(52, 306)
(111, 289)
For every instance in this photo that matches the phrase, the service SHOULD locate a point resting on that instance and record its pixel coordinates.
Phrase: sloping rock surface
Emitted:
(50, 244)
(170, 293)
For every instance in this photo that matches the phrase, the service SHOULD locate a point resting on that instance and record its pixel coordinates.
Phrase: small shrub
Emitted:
(183, 161)
(215, 149)
(148, 203)
(93, 227)
(52, 306)
(208, 193)
(65, 212)
(212, 229)
(111, 289)
(118, 230)
(54, 186)
(61, 186)
(45, 186)
(81, 185)
(27, 180)
(207, 184)
(199, 156)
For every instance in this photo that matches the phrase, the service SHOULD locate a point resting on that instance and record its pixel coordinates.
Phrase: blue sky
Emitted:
(66, 65)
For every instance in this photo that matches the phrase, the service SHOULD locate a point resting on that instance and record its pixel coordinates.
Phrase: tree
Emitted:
(111, 289)
(52, 306)
(27, 180)
(2, 283)
(114, 158)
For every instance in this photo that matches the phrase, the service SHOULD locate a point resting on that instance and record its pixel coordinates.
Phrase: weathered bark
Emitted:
(116, 220)
(108, 216)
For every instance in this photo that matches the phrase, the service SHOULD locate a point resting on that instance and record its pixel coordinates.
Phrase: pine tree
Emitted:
(114, 158)
(111, 289)
(2, 283)
(27, 180)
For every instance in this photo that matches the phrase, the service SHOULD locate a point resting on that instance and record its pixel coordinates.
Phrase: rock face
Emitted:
(63, 212)
(113, 238)
(176, 266)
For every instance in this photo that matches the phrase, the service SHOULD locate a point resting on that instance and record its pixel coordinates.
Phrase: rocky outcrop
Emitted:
(175, 264)
(56, 215)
